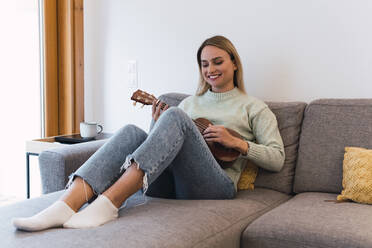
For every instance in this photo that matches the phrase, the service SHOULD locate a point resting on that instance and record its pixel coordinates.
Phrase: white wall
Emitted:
(291, 50)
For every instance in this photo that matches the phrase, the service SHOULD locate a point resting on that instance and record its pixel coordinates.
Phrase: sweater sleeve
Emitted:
(268, 152)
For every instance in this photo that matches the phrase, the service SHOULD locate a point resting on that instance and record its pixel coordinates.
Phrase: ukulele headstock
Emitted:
(143, 97)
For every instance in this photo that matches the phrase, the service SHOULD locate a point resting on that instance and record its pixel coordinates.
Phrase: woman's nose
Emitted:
(211, 69)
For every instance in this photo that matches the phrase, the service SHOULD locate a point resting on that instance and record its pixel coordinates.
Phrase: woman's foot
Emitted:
(53, 216)
(99, 212)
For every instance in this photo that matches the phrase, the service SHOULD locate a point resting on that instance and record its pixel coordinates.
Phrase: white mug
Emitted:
(89, 129)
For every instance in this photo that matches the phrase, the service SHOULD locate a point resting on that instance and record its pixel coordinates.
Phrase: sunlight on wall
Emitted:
(19, 94)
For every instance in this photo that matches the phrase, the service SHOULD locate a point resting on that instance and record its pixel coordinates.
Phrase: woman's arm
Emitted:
(268, 150)
(242, 146)
(267, 153)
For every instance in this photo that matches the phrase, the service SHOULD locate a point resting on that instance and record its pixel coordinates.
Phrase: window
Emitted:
(20, 107)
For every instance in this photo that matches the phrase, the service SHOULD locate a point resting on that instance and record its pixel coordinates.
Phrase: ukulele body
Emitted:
(224, 156)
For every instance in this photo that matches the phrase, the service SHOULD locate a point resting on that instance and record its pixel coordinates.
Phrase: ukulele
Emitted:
(224, 156)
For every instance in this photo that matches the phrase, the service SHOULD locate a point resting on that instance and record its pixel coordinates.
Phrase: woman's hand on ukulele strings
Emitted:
(219, 134)
(157, 109)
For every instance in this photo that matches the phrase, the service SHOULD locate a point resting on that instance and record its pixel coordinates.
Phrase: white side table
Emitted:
(36, 146)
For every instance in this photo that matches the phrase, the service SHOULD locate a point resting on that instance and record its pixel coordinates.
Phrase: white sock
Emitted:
(99, 212)
(53, 216)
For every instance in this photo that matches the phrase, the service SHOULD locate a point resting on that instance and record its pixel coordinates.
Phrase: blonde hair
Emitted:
(226, 45)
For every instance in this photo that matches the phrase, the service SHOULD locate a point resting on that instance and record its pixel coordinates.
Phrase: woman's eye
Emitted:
(218, 62)
(205, 65)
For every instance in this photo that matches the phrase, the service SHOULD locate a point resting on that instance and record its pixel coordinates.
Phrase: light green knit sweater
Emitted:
(248, 116)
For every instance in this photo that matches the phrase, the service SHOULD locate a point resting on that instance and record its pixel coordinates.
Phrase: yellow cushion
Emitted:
(357, 175)
(248, 176)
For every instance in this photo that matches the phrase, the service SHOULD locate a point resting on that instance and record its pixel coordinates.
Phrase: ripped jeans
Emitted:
(174, 157)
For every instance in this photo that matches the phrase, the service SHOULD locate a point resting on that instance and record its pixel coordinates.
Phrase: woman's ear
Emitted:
(235, 67)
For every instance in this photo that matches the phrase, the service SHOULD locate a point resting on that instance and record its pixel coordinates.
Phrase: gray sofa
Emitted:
(286, 209)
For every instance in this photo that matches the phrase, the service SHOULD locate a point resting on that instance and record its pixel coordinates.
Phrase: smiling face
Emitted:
(217, 69)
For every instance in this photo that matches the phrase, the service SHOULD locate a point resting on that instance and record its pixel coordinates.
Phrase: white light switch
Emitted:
(132, 74)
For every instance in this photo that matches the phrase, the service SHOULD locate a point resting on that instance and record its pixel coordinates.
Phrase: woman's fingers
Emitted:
(158, 108)
(210, 129)
(218, 134)
(210, 133)
(212, 137)
(157, 111)
(153, 108)
(165, 108)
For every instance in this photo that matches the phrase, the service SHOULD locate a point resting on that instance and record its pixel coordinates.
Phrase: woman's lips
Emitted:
(214, 76)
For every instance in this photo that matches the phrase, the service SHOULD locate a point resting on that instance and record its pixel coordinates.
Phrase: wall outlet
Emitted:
(132, 74)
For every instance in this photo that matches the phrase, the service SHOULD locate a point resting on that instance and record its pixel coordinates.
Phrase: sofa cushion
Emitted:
(357, 175)
(158, 223)
(329, 126)
(289, 116)
(307, 220)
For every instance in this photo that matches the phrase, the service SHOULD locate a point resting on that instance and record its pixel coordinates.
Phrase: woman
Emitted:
(173, 160)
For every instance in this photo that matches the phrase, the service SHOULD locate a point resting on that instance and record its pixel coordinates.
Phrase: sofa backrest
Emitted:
(289, 116)
(328, 126)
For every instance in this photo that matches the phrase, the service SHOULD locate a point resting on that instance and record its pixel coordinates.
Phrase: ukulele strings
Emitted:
(201, 126)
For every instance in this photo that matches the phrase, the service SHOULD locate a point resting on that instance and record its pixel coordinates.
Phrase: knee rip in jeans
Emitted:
(128, 162)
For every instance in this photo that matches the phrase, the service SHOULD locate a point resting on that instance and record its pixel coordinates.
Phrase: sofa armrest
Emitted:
(58, 163)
